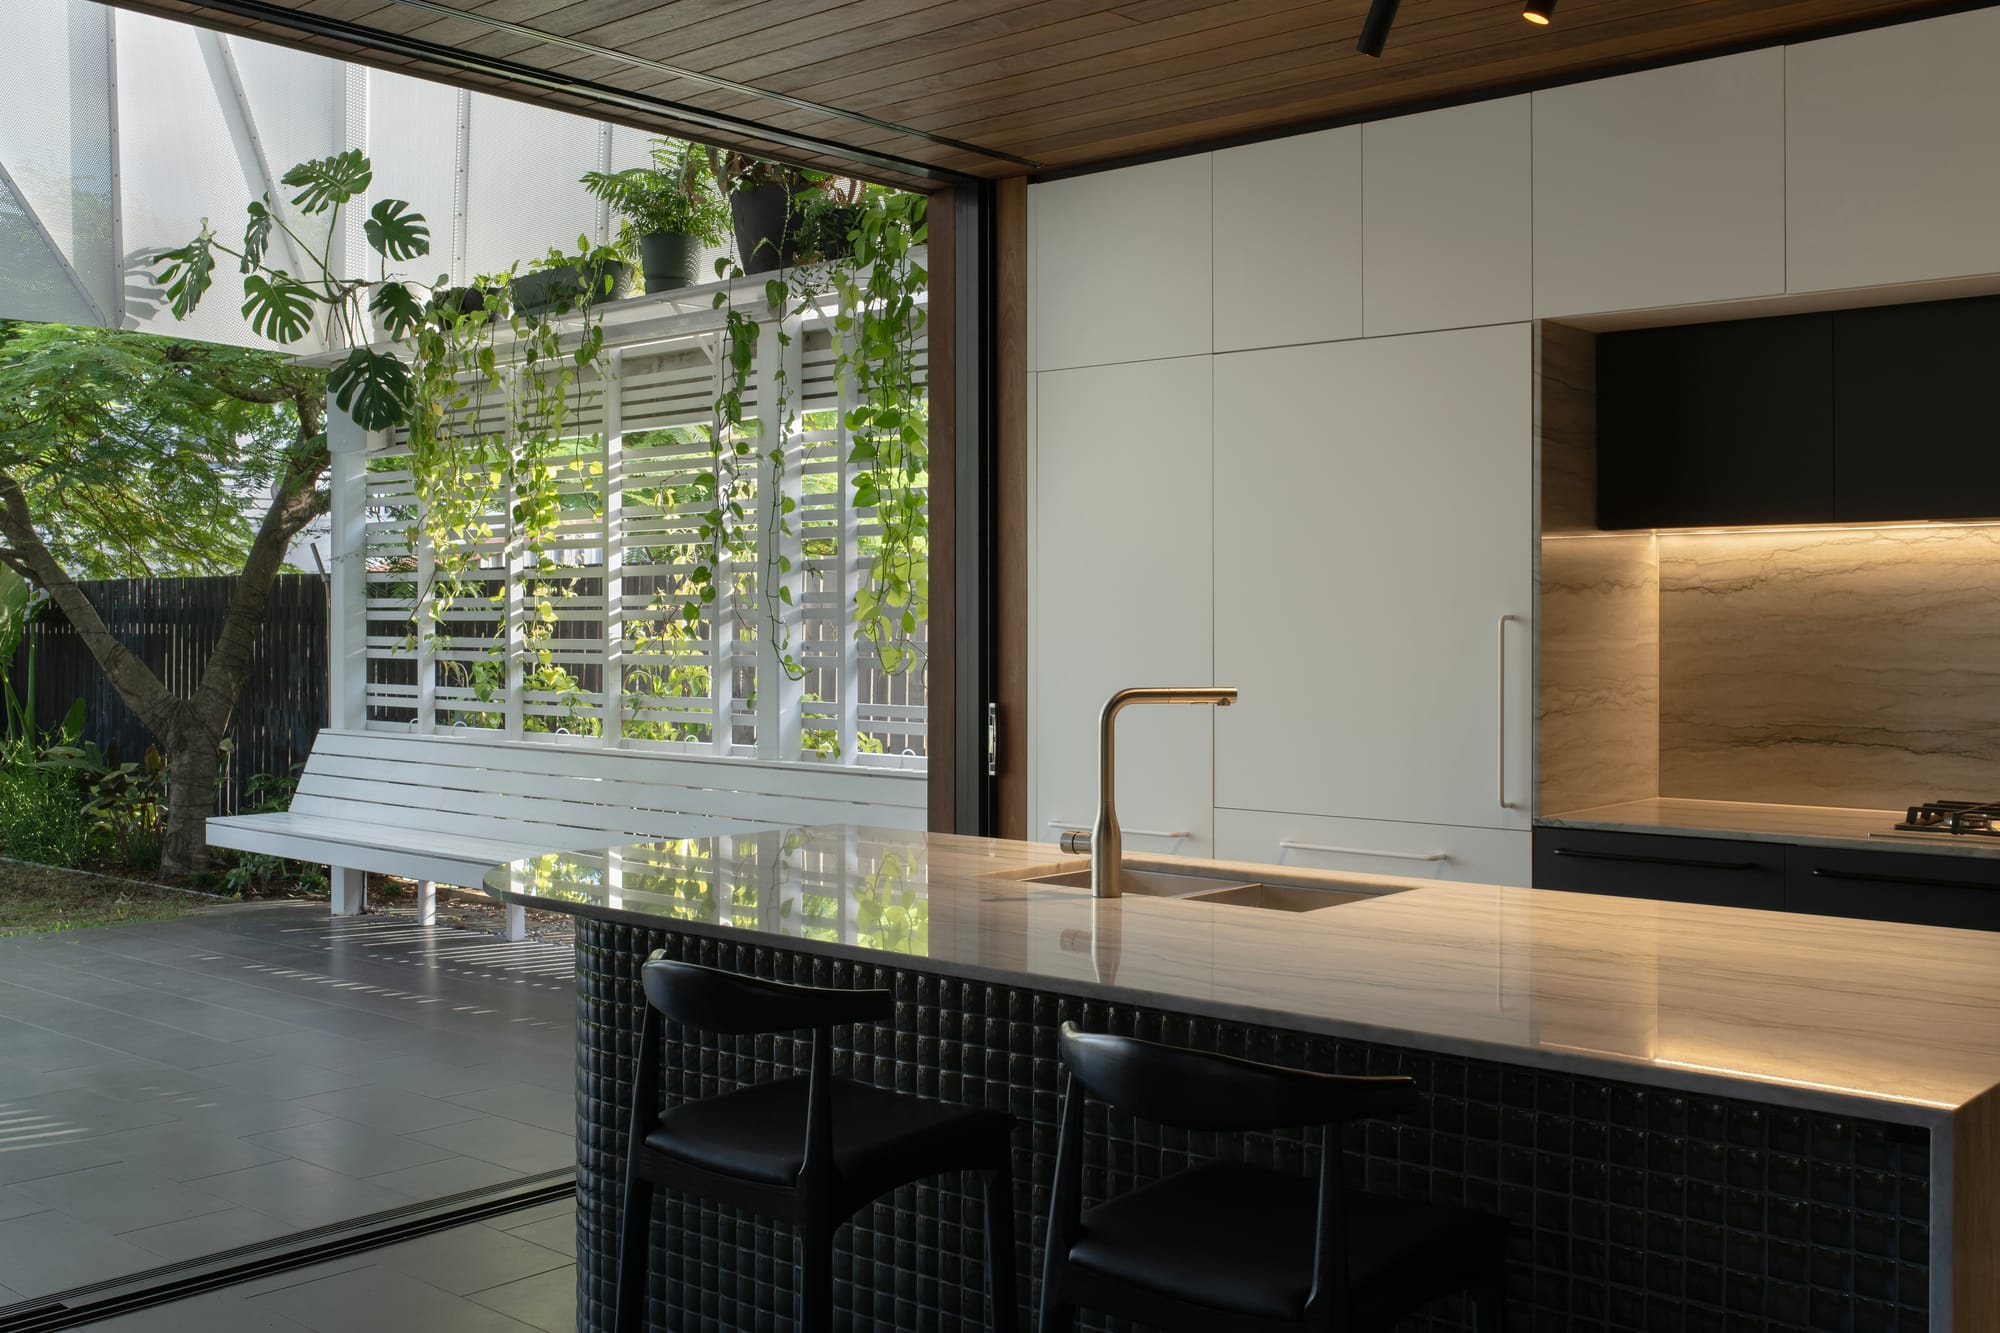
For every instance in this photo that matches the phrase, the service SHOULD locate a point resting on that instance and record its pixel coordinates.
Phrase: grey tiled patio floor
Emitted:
(173, 1088)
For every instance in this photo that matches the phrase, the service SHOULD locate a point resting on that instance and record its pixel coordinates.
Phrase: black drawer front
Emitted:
(1723, 872)
(1894, 886)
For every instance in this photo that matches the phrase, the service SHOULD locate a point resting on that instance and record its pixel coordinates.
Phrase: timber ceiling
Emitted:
(905, 90)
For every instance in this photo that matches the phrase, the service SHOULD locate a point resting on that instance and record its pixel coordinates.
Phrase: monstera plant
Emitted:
(372, 387)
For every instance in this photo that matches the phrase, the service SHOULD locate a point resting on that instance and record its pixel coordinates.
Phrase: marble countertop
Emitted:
(1895, 1022)
(1808, 825)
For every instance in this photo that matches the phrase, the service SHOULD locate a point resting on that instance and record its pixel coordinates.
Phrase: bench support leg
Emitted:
(517, 923)
(350, 890)
(427, 902)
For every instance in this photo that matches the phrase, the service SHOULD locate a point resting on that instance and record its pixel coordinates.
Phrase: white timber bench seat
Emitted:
(445, 809)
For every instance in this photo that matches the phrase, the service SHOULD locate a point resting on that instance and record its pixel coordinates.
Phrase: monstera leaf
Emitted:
(397, 307)
(371, 387)
(188, 272)
(397, 231)
(326, 181)
(279, 307)
(257, 236)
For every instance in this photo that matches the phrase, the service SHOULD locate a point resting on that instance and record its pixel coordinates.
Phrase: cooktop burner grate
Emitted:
(1980, 818)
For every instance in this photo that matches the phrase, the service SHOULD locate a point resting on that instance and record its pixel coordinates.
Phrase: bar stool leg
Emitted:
(816, 1279)
(1001, 1293)
(634, 1231)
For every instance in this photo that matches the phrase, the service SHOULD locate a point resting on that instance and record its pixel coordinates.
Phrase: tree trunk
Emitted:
(191, 771)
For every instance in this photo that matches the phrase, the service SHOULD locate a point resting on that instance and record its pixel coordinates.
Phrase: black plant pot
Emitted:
(571, 288)
(447, 305)
(668, 259)
(761, 213)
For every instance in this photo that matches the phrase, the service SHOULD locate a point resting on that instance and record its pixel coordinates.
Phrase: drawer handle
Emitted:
(1291, 846)
(1135, 832)
(1637, 859)
(1859, 877)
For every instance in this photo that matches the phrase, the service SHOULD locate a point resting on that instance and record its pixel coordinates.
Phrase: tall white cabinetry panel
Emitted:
(1123, 595)
(1890, 153)
(1288, 240)
(1125, 273)
(1447, 205)
(1661, 188)
(1374, 524)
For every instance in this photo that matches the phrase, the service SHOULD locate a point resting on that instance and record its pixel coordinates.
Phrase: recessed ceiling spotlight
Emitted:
(1375, 29)
(1539, 12)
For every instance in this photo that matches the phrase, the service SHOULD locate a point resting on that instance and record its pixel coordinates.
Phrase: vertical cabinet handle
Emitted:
(1505, 804)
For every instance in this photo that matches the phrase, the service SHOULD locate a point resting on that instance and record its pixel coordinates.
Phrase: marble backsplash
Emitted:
(1840, 666)
(1598, 671)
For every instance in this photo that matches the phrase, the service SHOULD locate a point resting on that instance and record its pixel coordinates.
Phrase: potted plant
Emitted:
(761, 200)
(558, 282)
(824, 218)
(672, 207)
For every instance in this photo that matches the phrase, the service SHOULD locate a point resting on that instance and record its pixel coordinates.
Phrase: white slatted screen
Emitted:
(585, 642)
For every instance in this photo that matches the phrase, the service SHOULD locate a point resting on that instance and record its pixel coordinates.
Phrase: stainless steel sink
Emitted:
(1150, 883)
(1221, 890)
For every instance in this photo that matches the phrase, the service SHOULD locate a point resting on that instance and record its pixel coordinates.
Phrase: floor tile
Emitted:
(541, 1212)
(210, 1234)
(238, 1113)
(472, 1258)
(121, 1197)
(349, 1148)
(506, 1143)
(446, 1176)
(552, 1233)
(390, 1108)
(302, 1193)
(432, 1077)
(32, 1155)
(180, 1151)
(546, 1301)
(44, 1253)
(91, 1112)
(286, 1077)
(542, 1107)
(381, 1300)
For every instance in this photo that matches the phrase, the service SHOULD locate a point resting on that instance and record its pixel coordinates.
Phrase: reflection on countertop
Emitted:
(1900, 1021)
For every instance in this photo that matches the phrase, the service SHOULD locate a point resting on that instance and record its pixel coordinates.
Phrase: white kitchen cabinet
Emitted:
(1374, 542)
(1447, 219)
(1661, 188)
(1889, 163)
(1122, 265)
(1123, 595)
(1288, 240)
(1376, 846)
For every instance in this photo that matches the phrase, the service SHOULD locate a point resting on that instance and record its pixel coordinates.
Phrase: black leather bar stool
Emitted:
(811, 1150)
(1227, 1248)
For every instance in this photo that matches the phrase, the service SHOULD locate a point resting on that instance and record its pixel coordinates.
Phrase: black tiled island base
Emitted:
(1632, 1207)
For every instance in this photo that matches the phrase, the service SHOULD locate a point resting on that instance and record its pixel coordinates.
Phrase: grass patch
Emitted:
(34, 899)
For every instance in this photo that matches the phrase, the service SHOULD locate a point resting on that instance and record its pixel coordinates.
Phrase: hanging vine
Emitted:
(879, 322)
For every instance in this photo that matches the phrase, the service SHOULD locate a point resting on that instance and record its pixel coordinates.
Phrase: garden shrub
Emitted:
(42, 818)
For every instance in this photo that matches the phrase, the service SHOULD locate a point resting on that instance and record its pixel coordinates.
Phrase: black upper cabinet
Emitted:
(1916, 411)
(1716, 424)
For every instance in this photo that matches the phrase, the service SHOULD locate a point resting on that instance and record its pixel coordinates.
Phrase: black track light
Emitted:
(1539, 12)
(1375, 31)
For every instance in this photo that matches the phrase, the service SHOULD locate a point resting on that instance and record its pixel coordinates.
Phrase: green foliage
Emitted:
(879, 323)
(135, 452)
(42, 818)
(281, 305)
(676, 194)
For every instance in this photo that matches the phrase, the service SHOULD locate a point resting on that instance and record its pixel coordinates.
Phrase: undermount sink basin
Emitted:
(1220, 890)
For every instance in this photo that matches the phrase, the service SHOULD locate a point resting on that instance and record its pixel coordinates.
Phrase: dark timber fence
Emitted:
(172, 624)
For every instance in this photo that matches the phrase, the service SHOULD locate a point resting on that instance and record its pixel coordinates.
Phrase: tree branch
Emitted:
(133, 679)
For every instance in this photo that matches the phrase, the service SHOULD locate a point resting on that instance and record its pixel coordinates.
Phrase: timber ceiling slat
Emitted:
(1063, 82)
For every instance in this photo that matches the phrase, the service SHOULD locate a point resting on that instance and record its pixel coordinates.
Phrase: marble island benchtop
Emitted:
(1896, 1022)
(1752, 821)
